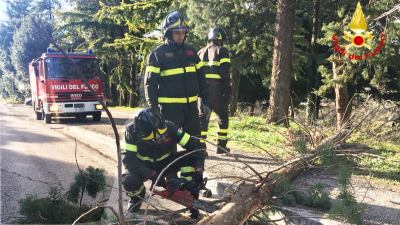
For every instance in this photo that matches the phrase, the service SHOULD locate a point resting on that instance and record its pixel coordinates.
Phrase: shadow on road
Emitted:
(12, 134)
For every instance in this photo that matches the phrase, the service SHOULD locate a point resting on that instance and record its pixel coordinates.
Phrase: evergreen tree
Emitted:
(28, 43)
(16, 12)
(46, 8)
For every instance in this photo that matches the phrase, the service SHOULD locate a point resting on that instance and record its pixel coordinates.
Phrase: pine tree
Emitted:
(282, 61)
(16, 11)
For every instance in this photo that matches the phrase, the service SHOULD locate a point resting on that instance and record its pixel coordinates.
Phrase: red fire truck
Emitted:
(58, 90)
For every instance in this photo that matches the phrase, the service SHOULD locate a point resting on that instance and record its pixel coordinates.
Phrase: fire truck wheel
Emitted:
(47, 118)
(39, 115)
(96, 116)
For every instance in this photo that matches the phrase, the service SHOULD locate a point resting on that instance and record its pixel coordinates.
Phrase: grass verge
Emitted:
(384, 160)
(253, 134)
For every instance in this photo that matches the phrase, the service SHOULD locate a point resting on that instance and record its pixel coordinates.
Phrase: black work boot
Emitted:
(134, 205)
(221, 149)
(194, 213)
(136, 200)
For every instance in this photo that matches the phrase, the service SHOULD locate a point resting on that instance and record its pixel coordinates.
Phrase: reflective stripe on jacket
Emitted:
(216, 62)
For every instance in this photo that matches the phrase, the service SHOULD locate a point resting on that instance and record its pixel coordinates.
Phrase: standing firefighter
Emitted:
(151, 144)
(175, 77)
(217, 65)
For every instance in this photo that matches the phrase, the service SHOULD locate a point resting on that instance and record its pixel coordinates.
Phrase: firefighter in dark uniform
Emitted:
(217, 66)
(175, 77)
(151, 142)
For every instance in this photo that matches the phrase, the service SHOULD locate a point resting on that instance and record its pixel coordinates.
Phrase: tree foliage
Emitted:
(20, 42)
(28, 43)
(54, 209)
(16, 11)
(90, 181)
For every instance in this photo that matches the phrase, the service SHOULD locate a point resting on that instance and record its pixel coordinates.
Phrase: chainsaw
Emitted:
(184, 195)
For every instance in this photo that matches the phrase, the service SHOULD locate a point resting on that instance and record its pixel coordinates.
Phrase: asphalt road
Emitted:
(34, 157)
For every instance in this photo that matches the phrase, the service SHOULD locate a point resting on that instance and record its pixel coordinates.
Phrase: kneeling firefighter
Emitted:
(151, 144)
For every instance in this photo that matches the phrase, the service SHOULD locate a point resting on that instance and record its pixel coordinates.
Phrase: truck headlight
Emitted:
(54, 108)
(99, 107)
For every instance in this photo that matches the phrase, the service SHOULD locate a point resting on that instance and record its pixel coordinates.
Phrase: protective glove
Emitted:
(176, 183)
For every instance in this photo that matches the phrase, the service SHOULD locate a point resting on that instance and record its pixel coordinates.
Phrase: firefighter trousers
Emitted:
(185, 116)
(219, 104)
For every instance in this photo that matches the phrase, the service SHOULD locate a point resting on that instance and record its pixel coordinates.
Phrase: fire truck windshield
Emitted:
(63, 68)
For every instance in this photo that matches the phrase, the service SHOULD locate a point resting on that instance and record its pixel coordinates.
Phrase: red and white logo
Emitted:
(358, 38)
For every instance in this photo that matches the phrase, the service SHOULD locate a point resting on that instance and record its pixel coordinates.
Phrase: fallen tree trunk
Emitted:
(248, 198)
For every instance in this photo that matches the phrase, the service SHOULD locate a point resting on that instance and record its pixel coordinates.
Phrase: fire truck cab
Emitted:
(58, 90)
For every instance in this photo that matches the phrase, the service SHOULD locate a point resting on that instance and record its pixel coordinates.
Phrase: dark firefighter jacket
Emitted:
(216, 62)
(138, 154)
(174, 74)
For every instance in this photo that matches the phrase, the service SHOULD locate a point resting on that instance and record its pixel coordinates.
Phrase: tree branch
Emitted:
(387, 13)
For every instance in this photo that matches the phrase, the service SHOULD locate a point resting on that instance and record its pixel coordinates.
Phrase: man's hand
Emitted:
(176, 183)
